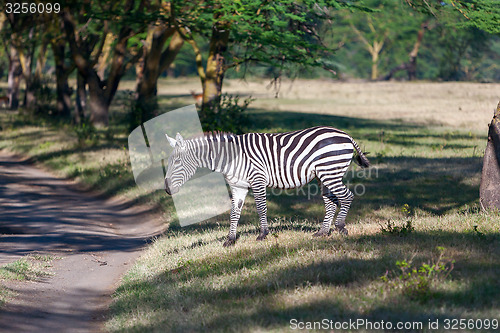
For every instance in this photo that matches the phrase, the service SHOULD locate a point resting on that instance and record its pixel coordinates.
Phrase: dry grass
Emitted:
(461, 105)
(187, 282)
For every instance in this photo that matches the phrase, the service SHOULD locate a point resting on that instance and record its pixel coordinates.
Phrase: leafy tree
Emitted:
(385, 40)
(448, 45)
(481, 15)
(460, 46)
(97, 30)
(161, 46)
(377, 29)
(276, 34)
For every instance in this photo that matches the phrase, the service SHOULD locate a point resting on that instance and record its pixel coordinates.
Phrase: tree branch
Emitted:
(198, 56)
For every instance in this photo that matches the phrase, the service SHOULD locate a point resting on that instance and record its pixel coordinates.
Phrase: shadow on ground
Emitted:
(43, 213)
(435, 185)
(232, 303)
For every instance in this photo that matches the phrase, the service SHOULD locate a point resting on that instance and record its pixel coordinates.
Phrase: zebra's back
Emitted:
(292, 159)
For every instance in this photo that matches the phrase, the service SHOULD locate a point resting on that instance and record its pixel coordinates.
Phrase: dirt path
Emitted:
(97, 240)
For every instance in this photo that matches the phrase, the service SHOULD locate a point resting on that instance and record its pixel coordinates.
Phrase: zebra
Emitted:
(278, 160)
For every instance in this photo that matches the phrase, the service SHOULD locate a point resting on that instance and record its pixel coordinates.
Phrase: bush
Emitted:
(226, 116)
(85, 133)
(404, 229)
(416, 282)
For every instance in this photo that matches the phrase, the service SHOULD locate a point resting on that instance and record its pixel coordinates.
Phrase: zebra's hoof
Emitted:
(321, 233)
(263, 235)
(343, 231)
(229, 242)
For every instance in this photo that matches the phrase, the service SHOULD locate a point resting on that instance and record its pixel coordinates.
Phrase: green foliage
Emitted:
(462, 50)
(230, 116)
(452, 47)
(276, 34)
(417, 282)
(28, 268)
(85, 133)
(480, 14)
(401, 231)
(404, 229)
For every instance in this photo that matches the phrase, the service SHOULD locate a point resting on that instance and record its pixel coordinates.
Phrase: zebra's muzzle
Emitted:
(169, 189)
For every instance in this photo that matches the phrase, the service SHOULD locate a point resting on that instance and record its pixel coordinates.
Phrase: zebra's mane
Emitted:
(214, 135)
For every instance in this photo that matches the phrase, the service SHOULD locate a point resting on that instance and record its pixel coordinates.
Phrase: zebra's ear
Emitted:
(171, 141)
(180, 140)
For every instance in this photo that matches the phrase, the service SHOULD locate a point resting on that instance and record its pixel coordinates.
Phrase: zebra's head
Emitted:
(181, 166)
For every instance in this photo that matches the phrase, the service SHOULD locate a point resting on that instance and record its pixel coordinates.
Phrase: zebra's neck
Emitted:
(215, 151)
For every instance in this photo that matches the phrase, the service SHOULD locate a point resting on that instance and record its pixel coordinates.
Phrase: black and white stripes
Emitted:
(260, 160)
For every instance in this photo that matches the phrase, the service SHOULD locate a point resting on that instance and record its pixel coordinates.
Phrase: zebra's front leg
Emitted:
(259, 192)
(237, 200)
(330, 209)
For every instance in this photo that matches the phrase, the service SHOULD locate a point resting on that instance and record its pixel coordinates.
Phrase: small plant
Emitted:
(85, 133)
(416, 282)
(404, 229)
(183, 264)
(406, 210)
(401, 231)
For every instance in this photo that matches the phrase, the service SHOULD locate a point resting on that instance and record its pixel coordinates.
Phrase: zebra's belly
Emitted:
(288, 180)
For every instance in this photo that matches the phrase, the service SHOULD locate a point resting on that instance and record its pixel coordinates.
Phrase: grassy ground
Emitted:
(29, 268)
(425, 141)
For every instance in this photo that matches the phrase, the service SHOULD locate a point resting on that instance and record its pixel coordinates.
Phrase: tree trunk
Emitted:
(489, 190)
(214, 73)
(14, 78)
(98, 101)
(101, 92)
(411, 65)
(81, 98)
(374, 66)
(102, 63)
(41, 60)
(155, 62)
(27, 64)
(63, 105)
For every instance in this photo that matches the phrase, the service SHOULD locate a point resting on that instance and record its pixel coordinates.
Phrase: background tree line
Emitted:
(97, 43)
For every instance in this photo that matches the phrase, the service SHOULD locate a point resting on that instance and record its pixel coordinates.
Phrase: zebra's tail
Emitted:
(360, 158)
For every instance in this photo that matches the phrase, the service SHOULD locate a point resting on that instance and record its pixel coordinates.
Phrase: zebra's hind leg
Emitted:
(345, 197)
(330, 209)
(237, 200)
(259, 192)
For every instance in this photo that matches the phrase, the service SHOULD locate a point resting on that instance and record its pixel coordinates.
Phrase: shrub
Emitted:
(85, 133)
(226, 116)
(416, 282)
(404, 229)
